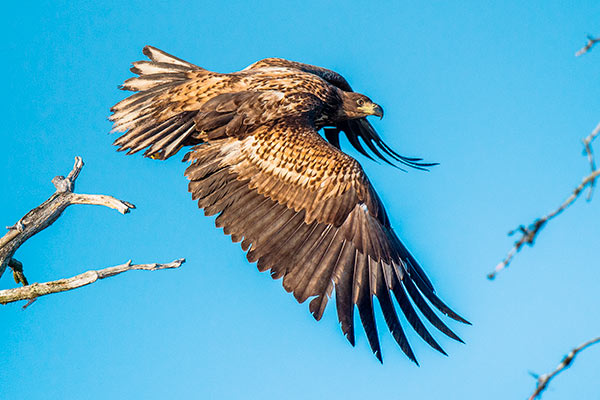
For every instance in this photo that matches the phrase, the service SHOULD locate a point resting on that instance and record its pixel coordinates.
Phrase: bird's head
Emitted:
(356, 105)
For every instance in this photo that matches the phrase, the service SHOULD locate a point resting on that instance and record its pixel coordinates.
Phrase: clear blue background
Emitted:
(491, 90)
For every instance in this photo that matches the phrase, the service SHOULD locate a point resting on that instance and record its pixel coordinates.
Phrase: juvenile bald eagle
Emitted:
(301, 207)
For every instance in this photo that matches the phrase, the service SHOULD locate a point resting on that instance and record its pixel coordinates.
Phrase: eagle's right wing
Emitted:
(306, 211)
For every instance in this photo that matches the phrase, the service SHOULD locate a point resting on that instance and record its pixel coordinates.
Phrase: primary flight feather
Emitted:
(301, 207)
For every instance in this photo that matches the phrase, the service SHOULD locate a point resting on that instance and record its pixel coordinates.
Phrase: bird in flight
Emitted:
(301, 207)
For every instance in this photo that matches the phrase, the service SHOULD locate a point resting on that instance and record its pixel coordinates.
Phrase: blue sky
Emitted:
(492, 91)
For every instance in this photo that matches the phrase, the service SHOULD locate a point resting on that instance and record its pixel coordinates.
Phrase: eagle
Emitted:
(301, 208)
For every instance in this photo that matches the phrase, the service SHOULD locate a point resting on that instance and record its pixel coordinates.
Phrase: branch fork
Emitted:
(542, 381)
(42, 217)
(530, 233)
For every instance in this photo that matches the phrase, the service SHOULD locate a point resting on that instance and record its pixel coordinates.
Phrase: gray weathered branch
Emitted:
(45, 214)
(544, 380)
(33, 291)
(42, 217)
(530, 233)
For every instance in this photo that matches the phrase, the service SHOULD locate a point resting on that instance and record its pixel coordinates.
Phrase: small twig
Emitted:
(530, 233)
(544, 380)
(33, 291)
(591, 42)
(587, 144)
(45, 214)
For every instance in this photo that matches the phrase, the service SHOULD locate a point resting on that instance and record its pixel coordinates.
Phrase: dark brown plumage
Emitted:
(301, 208)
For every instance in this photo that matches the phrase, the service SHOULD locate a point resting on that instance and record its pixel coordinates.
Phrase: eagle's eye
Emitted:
(360, 102)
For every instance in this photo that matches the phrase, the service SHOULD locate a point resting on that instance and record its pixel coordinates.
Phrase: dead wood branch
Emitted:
(587, 148)
(42, 217)
(544, 380)
(591, 42)
(530, 233)
(36, 290)
(45, 214)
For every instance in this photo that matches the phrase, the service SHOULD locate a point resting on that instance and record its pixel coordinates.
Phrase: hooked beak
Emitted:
(377, 111)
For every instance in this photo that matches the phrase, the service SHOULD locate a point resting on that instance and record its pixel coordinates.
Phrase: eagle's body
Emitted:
(304, 209)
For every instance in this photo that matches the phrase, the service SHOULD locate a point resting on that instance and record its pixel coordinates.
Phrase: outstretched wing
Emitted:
(159, 118)
(306, 211)
(356, 130)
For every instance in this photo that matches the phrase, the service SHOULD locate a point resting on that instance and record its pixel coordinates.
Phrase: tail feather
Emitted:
(152, 67)
(124, 118)
(141, 97)
(146, 131)
(149, 120)
(160, 56)
(162, 140)
(173, 141)
(145, 82)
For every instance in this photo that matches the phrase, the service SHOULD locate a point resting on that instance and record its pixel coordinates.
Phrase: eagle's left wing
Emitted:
(306, 211)
(357, 131)
(330, 76)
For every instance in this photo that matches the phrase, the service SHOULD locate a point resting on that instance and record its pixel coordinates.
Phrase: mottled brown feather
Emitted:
(302, 240)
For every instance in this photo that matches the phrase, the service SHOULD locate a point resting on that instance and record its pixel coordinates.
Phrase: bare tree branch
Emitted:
(544, 380)
(587, 144)
(588, 46)
(42, 217)
(530, 233)
(45, 214)
(36, 290)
